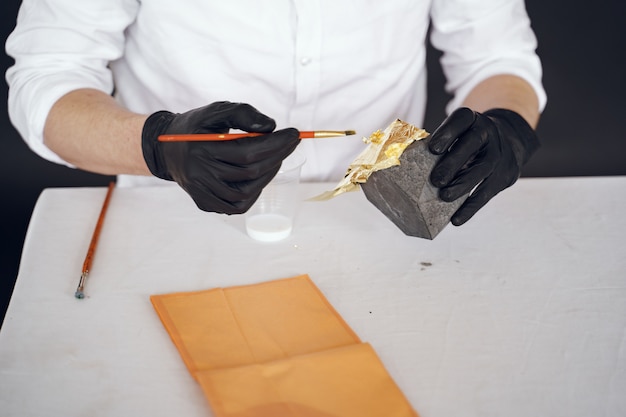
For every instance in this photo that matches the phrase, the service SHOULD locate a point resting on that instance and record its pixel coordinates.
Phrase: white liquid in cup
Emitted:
(268, 227)
(270, 218)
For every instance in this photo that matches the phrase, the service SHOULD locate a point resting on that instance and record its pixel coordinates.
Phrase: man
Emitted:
(310, 64)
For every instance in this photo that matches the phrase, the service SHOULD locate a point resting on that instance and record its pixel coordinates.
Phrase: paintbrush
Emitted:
(201, 137)
(94, 242)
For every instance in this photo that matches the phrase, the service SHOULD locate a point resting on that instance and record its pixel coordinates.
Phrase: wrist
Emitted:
(155, 125)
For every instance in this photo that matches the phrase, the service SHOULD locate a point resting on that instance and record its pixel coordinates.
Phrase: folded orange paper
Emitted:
(277, 348)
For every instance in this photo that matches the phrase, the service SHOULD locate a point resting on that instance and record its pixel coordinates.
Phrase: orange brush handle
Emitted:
(203, 137)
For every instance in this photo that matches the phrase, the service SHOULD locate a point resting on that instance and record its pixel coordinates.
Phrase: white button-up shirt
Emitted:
(310, 64)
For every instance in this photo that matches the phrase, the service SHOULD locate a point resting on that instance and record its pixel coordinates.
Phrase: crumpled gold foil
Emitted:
(383, 151)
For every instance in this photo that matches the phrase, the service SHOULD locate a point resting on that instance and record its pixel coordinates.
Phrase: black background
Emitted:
(583, 49)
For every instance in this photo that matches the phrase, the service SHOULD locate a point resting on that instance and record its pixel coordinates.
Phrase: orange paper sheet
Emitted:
(277, 348)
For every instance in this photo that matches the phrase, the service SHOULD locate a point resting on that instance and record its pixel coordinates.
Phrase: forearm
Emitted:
(507, 92)
(90, 130)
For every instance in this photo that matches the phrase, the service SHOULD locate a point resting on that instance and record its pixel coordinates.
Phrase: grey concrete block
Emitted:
(405, 195)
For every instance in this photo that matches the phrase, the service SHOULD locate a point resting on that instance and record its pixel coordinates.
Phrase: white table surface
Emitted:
(520, 312)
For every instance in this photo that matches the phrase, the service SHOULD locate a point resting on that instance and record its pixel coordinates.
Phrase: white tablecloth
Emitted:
(520, 312)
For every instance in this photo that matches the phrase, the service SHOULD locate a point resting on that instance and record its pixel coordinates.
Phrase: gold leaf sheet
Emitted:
(383, 151)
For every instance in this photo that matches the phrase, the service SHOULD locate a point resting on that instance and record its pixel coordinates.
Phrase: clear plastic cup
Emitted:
(270, 218)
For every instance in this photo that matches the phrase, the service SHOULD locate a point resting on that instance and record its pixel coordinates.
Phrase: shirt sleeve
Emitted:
(483, 38)
(60, 46)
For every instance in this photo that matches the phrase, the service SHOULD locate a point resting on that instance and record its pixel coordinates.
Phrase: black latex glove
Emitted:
(487, 150)
(220, 176)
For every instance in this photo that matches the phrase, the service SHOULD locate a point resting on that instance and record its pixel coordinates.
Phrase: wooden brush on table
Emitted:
(94, 242)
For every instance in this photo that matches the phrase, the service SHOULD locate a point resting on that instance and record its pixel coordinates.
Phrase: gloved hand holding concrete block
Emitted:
(393, 172)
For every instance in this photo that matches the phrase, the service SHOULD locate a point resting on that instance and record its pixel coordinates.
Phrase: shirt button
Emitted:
(305, 61)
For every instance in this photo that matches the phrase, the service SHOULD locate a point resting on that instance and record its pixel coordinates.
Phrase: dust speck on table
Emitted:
(425, 265)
